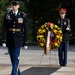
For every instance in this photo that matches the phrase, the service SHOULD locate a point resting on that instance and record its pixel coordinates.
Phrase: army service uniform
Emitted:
(64, 24)
(14, 27)
(62, 51)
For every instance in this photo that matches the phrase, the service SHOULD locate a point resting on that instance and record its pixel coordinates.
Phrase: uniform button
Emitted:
(14, 22)
(13, 32)
(61, 21)
(13, 25)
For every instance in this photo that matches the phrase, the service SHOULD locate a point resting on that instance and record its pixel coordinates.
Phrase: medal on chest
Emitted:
(20, 20)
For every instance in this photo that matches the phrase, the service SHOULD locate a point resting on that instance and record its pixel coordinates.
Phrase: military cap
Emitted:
(62, 10)
(15, 2)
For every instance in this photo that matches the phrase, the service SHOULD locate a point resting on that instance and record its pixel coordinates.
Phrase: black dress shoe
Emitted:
(64, 64)
(6, 53)
(61, 64)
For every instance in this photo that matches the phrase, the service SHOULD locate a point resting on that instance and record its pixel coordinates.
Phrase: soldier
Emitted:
(64, 24)
(14, 23)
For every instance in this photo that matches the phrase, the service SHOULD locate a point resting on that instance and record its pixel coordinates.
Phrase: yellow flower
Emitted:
(43, 40)
(55, 31)
(39, 30)
(43, 30)
(60, 37)
(57, 36)
(42, 26)
(47, 28)
(45, 24)
(51, 25)
(56, 44)
(60, 31)
(58, 28)
(40, 36)
(41, 44)
(55, 26)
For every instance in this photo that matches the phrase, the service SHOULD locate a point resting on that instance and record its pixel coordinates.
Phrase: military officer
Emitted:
(64, 24)
(14, 25)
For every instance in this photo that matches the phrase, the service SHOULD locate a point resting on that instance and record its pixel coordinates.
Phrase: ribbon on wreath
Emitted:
(49, 40)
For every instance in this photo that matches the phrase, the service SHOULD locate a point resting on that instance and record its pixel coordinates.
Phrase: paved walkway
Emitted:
(34, 57)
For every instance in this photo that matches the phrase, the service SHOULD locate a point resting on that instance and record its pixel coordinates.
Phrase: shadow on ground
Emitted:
(40, 71)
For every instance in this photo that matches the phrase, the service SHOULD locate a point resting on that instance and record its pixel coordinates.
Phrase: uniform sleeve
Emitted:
(25, 30)
(69, 24)
(4, 30)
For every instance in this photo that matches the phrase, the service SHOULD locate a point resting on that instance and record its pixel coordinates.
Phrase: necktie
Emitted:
(14, 14)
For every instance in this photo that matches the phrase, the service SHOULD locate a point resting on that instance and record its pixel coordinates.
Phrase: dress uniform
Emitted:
(64, 24)
(14, 27)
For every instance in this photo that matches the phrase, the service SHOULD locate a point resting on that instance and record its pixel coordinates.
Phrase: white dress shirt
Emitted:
(15, 12)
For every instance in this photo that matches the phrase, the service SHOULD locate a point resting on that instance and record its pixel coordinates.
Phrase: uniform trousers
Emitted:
(62, 53)
(14, 54)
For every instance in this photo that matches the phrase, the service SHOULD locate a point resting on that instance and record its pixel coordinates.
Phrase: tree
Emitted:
(39, 12)
(42, 11)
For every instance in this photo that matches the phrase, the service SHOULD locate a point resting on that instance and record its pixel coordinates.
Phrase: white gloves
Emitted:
(4, 44)
(25, 47)
(67, 28)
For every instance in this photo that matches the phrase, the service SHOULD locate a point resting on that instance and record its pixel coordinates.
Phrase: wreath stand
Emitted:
(48, 49)
(50, 58)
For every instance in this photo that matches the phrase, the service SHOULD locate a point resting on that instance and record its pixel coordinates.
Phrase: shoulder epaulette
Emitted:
(24, 15)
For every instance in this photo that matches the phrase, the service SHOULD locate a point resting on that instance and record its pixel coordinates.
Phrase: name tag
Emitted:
(20, 20)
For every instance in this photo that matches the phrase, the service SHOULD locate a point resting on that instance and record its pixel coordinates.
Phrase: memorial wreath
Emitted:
(55, 36)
